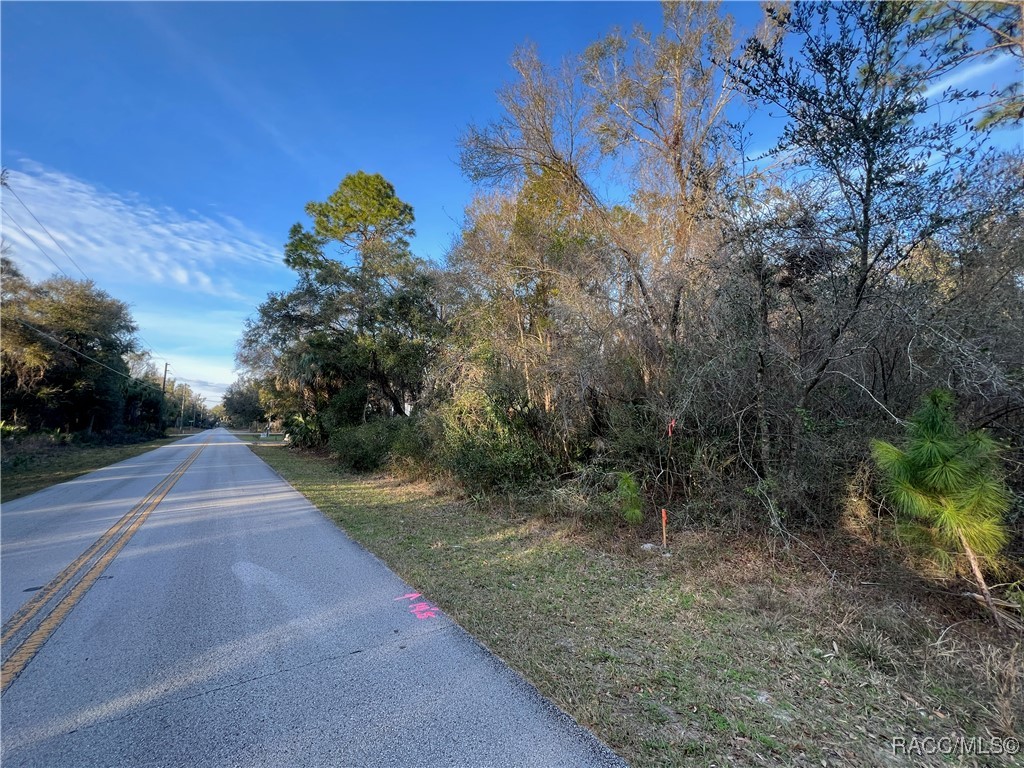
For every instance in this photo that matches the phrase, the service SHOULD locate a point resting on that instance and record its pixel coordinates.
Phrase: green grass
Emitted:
(719, 655)
(37, 462)
(275, 438)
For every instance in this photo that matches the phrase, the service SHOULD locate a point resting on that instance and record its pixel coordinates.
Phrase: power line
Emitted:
(7, 185)
(17, 197)
(82, 354)
(37, 245)
(150, 348)
(92, 359)
(47, 255)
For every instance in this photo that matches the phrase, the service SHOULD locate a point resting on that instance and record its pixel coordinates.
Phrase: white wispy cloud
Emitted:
(250, 102)
(969, 75)
(120, 237)
(190, 280)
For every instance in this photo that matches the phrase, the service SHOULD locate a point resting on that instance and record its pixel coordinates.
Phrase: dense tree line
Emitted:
(637, 302)
(70, 361)
(241, 405)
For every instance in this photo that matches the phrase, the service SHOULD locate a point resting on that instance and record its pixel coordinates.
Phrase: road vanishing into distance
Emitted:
(189, 608)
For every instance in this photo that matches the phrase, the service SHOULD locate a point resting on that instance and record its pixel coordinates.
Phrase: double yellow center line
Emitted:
(101, 553)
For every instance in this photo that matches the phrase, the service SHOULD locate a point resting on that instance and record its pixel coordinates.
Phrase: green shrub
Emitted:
(304, 432)
(631, 502)
(494, 462)
(365, 447)
(485, 442)
(411, 448)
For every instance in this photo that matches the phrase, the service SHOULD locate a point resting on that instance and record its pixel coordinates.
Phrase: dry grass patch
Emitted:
(718, 655)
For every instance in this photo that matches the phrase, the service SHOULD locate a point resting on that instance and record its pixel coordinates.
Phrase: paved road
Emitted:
(227, 623)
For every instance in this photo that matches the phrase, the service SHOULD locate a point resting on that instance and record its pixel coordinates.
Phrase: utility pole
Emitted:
(181, 420)
(163, 387)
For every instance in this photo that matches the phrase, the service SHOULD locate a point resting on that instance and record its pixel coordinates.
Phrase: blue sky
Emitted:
(169, 146)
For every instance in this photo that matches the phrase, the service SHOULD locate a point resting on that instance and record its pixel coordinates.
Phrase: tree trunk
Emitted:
(980, 578)
(763, 341)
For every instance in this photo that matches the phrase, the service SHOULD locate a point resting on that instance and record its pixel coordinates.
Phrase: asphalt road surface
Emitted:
(189, 608)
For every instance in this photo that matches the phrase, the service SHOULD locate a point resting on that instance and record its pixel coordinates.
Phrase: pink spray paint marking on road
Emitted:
(421, 610)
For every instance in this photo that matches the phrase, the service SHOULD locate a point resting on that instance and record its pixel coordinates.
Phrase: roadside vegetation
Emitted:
(651, 314)
(801, 355)
(261, 438)
(725, 652)
(71, 365)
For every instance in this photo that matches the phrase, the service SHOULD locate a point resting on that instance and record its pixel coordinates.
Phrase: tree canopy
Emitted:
(64, 353)
(352, 337)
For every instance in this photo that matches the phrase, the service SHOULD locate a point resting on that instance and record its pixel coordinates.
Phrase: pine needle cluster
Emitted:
(947, 486)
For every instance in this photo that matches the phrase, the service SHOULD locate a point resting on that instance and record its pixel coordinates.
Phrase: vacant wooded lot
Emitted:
(722, 653)
(653, 313)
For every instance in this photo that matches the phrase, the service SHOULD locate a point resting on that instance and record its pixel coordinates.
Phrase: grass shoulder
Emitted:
(39, 461)
(722, 653)
(260, 438)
